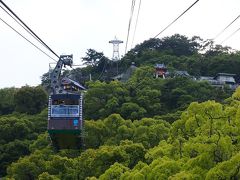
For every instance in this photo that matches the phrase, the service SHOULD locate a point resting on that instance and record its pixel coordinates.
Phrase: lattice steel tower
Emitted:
(116, 43)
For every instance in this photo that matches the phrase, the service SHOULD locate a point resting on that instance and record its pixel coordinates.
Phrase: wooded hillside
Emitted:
(144, 128)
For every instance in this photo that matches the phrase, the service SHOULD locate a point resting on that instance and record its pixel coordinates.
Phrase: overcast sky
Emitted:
(73, 26)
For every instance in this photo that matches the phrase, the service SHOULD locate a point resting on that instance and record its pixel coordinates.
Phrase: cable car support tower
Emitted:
(116, 56)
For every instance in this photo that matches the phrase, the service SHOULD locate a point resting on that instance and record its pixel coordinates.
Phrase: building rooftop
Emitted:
(225, 74)
(181, 73)
(160, 66)
(67, 81)
(206, 78)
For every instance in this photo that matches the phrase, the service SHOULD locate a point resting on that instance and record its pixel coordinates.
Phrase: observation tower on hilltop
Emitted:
(116, 42)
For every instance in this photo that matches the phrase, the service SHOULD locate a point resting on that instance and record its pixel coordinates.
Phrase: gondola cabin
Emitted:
(65, 121)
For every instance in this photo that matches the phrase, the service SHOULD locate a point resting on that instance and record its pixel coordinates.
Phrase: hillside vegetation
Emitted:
(145, 128)
(202, 144)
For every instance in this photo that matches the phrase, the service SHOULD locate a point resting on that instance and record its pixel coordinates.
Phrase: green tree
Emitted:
(7, 104)
(30, 100)
(179, 45)
(226, 170)
(46, 176)
(96, 162)
(103, 99)
(95, 133)
(163, 168)
(132, 111)
(114, 172)
(14, 128)
(10, 152)
(46, 82)
(92, 57)
(30, 167)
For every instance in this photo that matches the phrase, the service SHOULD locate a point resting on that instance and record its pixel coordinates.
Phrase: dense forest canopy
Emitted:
(142, 128)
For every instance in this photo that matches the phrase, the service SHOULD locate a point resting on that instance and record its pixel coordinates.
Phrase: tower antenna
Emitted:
(115, 43)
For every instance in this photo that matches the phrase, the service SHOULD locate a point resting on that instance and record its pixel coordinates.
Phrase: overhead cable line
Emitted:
(139, 7)
(20, 24)
(26, 39)
(32, 33)
(103, 69)
(176, 19)
(230, 35)
(130, 22)
(226, 27)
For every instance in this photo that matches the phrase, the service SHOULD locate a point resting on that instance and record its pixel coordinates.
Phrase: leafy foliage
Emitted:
(145, 96)
(30, 100)
(92, 57)
(7, 104)
(17, 132)
(203, 143)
